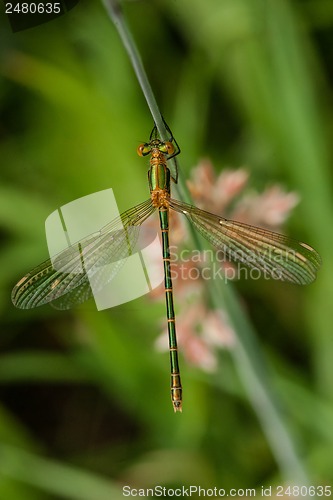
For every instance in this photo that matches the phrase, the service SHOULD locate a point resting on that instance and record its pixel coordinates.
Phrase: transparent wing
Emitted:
(278, 256)
(76, 296)
(65, 279)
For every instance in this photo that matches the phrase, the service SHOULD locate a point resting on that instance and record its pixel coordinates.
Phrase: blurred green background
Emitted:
(84, 395)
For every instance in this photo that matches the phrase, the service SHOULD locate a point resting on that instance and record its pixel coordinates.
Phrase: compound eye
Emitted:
(143, 149)
(169, 147)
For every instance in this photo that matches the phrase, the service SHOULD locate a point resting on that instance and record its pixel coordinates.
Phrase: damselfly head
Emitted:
(164, 147)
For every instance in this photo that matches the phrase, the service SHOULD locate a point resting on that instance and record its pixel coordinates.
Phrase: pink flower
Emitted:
(215, 193)
(200, 331)
(269, 209)
(198, 348)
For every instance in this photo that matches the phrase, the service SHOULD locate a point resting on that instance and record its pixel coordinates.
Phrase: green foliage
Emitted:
(84, 395)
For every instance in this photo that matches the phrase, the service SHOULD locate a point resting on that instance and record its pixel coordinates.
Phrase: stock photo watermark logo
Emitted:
(24, 15)
(114, 278)
(227, 264)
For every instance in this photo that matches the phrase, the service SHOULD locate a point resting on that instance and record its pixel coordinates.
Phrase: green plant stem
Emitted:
(251, 367)
(247, 354)
(114, 10)
(55, 478)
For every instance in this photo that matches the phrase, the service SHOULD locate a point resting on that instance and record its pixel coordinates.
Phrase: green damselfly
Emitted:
(66, 284)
